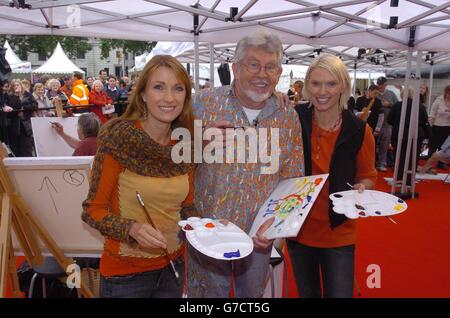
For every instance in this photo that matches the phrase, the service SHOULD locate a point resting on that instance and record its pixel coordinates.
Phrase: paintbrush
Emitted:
(149, 220)
(390, 219)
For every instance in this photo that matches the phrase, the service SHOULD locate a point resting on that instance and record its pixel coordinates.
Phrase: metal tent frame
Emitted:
(335, 26)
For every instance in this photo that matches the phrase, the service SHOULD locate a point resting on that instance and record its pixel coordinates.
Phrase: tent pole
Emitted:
(430, 87)
(414, 126)
(402, 119)
(196, 49)
(411, 147)
(197, 64)
(211, 65)
(354, 80)
(370, 79)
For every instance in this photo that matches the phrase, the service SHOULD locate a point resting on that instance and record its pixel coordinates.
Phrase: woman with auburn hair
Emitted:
(336, 142)
(134, 155)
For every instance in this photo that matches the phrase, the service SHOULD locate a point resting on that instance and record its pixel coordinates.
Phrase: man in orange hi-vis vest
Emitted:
(80, 93)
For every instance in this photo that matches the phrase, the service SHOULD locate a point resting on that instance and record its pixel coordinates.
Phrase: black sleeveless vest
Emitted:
(343, 160)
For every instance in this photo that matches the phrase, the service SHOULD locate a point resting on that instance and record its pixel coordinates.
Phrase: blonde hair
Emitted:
(337, 68)
(410, 92)
(37, 86)
(13, 83)
(446, 90)
(137, 109)
(425, 95)
(25, 83)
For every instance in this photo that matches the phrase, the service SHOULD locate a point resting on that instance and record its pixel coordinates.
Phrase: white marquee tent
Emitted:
(58, 63)
(184, 51)
(338, 26)
(362, 23)
(16, 64)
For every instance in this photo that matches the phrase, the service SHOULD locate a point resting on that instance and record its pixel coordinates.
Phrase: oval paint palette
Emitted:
(216, 239)
(368, 203)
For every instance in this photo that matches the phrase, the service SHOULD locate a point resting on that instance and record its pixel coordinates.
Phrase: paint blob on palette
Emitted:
(216, 238)
(367, 203)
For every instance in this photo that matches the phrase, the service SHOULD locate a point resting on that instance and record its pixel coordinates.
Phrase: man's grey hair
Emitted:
(89, 124)
(261, 39)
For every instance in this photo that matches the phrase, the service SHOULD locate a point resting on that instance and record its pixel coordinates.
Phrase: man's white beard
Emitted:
(256, 97)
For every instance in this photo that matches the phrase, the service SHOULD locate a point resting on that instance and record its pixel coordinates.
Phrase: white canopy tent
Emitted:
(58, 63)
(330, 22)
(340, 25)
(16, 64)
(184, 51)
(402, 25)
(174, 49)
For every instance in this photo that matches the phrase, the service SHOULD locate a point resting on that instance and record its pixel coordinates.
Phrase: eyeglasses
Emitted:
(255, 68)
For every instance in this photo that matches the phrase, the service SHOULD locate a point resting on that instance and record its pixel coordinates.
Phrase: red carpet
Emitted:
(413, 255)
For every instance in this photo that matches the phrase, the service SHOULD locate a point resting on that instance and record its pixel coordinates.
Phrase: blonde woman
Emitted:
(42, 100)
(338, 143)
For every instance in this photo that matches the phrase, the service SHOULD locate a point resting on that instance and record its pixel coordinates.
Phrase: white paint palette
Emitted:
(217, 239)
(367, 203)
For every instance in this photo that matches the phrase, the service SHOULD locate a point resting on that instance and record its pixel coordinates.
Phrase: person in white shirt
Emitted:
(440, 120)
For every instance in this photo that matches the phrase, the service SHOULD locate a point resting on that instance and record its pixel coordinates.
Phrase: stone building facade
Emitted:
(116, 63)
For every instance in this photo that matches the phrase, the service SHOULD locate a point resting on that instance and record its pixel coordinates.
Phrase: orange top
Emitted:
(114, 196)
(316, 230)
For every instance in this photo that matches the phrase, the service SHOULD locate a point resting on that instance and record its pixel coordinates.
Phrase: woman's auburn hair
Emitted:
(137, 109)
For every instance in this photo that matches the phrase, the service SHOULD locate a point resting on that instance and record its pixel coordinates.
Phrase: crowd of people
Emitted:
(318, 133)
(380, 107)
(106, 96)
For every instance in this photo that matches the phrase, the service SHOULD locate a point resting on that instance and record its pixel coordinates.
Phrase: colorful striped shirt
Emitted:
(236, 191)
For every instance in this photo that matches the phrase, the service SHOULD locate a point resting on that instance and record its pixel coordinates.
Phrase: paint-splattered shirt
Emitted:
(236, 191)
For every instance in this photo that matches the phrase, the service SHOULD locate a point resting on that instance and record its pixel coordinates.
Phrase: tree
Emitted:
(136, 47)
(45, 44)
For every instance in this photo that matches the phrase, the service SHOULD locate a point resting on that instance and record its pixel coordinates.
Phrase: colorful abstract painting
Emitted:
(289, 204)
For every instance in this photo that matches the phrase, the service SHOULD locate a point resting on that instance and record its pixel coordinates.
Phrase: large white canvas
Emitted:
(290, 204)
(48, 143)
(54, 189)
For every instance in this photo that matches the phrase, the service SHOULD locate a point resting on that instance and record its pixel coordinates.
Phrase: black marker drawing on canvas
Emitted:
(73, 177)
(48, 184)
